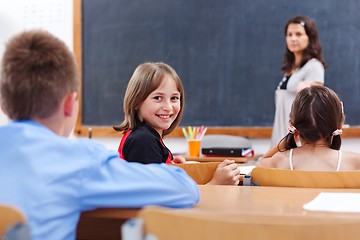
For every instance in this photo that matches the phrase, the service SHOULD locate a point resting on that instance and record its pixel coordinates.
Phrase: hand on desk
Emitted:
(179, 159)
(227, 173)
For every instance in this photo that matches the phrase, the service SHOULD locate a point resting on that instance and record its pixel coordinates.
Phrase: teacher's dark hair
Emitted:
(313, 50)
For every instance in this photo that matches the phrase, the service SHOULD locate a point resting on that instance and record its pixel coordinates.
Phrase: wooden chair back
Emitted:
(310, 179)
(202, 173)
(178, 224)
(9, 216)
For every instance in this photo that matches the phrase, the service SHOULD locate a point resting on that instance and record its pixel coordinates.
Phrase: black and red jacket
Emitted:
(144, 145)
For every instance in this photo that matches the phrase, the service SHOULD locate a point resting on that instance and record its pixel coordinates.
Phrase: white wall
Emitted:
(55, 16)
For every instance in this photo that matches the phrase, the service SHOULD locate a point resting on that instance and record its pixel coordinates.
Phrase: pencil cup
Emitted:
(194, 147)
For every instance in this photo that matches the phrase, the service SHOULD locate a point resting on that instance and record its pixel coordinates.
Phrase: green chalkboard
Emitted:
(228, 54)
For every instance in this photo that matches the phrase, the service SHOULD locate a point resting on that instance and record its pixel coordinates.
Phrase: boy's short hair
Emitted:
(38, 71)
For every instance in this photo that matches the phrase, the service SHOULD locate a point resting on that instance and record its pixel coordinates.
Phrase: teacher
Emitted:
(303, 66)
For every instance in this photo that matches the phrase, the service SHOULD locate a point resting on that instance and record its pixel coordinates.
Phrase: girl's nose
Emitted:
(166, 106)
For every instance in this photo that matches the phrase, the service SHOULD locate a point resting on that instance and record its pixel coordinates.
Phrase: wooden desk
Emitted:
(252, 203)
(264, 201)
(220, 159)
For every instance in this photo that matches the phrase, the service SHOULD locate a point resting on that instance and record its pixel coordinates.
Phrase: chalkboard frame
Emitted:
(82, 130)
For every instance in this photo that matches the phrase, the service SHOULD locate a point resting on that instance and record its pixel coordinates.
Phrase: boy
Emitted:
(52, 178)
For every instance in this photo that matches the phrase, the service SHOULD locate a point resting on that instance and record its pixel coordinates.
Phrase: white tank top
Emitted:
(337, 166)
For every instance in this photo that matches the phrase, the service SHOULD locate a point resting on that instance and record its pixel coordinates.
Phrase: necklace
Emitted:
(284, 79)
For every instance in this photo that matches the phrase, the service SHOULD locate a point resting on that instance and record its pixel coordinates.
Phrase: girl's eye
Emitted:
(157, 98)
(175, 98)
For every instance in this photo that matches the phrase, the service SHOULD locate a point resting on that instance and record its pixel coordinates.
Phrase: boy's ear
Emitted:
(2, 108)
(69, 103)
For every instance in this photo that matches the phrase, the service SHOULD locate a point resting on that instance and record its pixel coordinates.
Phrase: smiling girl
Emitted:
(153, 108)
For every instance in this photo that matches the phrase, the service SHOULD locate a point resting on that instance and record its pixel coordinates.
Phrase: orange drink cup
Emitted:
(194, 147)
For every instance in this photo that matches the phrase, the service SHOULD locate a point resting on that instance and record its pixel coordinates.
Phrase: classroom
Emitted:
(228, 55)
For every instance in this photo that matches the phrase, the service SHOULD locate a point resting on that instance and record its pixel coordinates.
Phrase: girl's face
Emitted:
(296, 38)
(161, 107)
